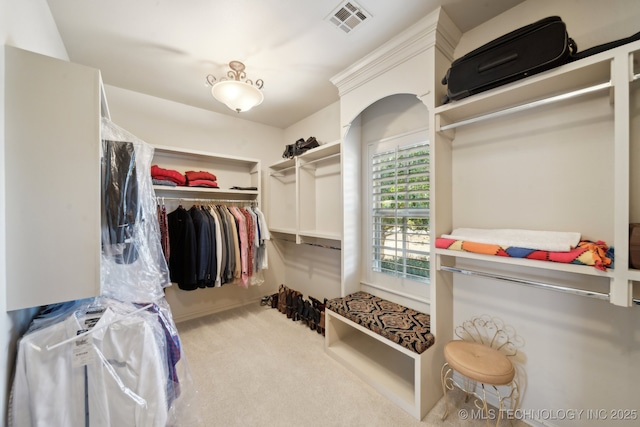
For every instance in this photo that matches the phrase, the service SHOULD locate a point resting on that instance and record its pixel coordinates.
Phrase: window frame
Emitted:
(395, 283)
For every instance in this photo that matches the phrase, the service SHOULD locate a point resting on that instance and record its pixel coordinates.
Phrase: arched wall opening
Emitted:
(398, 117)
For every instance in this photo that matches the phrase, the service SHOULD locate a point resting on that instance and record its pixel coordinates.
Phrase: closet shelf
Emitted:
(305, 196)
(321, 152)
(588, 72)
(203, 190)
(283, 165)
(321, 159)
(230, 171)
(543, 265)
(320, 234)
(282, 230)
(634, 275)
(527, 106)
(281, 172)
(604, 77)
(191, 155)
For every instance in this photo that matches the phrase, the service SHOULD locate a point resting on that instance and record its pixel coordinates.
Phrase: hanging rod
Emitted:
(207, 201)
(559, 288)
(321, 159)
(309, 243)
(318, 245)
(279, 171)
(529, 105)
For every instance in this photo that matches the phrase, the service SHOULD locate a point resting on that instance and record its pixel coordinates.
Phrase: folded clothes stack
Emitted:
(558, 241)
(563, 247)
(168, 177)
(201, 179)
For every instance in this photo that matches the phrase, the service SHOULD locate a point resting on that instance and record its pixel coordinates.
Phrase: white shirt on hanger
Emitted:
(124, 383)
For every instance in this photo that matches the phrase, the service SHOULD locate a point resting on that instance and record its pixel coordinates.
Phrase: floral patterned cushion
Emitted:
(402, 325)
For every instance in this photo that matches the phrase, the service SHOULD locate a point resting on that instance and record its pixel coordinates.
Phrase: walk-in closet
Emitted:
(306, 254)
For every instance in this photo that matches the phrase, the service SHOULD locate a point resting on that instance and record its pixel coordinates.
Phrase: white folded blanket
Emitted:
(554, 241)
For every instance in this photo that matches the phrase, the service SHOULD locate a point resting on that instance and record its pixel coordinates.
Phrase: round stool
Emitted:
(477, 363)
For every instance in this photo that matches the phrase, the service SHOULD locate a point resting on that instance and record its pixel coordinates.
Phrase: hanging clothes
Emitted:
(115, 375)
(163, 225)
(227, 243)
(120, 198)
(228, 254)
(235, 244)
(212, 269)
(182, 243)
(220, 253)
(244, 248)
(115, 360)
(264, 236)
(203, 246)
(132, 264)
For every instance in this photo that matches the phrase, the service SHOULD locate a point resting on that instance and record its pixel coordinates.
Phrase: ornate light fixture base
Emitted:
(236, 91)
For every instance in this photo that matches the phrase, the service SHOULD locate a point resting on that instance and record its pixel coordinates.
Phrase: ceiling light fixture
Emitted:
(236, 91)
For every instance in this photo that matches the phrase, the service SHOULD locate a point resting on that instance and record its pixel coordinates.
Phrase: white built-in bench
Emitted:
(387, 345)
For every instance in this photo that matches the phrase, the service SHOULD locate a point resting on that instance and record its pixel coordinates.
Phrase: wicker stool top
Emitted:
(479, 362)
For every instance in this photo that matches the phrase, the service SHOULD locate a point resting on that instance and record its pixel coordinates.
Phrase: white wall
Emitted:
(324, 125)
(579, 353)
(161, 122)
(27, 25)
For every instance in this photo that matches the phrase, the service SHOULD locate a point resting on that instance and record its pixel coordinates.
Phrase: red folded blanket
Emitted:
(596, 254)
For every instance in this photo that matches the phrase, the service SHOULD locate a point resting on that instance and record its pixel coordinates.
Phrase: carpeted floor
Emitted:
(252, 366)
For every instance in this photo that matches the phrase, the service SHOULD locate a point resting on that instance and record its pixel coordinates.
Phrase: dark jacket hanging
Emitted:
(182, 241)
(120, 198)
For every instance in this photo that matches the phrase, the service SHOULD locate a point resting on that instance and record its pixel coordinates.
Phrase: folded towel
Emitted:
(556, 241)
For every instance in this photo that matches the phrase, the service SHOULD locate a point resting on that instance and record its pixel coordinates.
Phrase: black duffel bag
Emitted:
(299, 147)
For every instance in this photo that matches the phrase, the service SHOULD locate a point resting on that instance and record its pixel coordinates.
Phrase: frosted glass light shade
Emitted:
(237, 95)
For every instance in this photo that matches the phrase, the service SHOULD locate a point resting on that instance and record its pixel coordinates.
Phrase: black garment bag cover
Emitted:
(531, 49)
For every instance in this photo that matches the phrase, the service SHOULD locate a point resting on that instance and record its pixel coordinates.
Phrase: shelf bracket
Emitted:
(442, 127)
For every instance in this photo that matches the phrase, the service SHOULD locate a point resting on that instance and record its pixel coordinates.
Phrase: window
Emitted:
(399, 209)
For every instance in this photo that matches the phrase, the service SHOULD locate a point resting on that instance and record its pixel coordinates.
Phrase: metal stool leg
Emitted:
(446, 377)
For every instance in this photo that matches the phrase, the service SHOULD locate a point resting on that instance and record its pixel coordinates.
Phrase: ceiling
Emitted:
(166, 48)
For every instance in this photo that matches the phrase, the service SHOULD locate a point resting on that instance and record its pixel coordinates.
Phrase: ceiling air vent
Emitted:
(348, 16)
